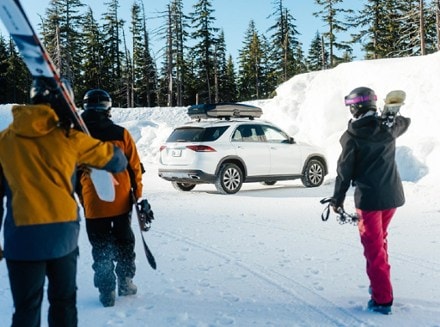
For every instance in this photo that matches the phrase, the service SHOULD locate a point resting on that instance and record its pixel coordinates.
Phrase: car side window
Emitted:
(213, 133)
(248, 133)
(274, 135)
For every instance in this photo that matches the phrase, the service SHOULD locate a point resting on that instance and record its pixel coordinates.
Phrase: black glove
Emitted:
(147, 214)
(336, 206)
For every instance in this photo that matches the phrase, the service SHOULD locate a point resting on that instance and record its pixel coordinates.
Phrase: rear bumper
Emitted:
(186, 176)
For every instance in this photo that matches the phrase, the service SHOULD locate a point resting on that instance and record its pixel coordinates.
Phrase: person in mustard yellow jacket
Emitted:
(38, 164)
(109, 223)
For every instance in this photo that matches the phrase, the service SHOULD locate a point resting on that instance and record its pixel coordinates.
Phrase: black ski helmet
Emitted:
(42, 90)
(361, 100)
(97, 99)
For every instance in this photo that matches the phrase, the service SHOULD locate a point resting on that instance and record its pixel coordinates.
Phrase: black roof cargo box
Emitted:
(224, 110)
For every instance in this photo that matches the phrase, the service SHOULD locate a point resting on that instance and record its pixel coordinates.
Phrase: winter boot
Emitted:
(381, 308)
(107, 298)
(126, 287)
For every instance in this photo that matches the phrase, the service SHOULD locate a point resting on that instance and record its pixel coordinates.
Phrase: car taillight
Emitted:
(162, 147)
(200, 148)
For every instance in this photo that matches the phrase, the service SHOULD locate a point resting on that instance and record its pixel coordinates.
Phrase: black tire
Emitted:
(229, 179)
(313, 173)
(186, 187)
(268, 183)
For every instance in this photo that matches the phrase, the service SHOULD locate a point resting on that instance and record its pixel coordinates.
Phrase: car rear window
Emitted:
(197, 134)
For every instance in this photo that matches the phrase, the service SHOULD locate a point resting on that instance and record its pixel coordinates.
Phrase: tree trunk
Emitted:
(422, 28)
(437, 19)
(170, 62)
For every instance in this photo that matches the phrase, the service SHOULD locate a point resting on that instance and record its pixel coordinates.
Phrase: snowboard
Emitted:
(39, 63)
(143, 226)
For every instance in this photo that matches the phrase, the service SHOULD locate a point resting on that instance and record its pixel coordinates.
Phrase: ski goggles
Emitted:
(359, 99)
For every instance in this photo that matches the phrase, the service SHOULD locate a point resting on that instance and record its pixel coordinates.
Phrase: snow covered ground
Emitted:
(263, 257)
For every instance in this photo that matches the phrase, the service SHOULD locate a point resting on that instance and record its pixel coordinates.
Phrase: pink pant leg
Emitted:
(373, 227)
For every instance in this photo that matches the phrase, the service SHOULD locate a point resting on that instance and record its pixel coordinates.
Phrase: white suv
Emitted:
(231, 151)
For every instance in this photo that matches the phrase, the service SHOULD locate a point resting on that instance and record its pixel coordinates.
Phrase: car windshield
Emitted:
(196, 134)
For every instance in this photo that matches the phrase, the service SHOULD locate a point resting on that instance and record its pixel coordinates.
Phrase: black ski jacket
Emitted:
(368, 161)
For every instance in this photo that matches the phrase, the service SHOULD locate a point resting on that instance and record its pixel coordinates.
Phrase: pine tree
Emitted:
(220, 63)
(179, 26)
(113, 61)
(430, 27)
(436, 8)
(284, 42)
(317, 58)
(329, 14)
(93, 51)
(3, 71)
(229, 88)
(135, 88)
(14, 73)
(379, 21)
(204, 34)
(62, 37)
(148, 80)
(250, 65)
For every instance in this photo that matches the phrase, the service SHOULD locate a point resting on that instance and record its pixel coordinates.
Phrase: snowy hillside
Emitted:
(263, 257)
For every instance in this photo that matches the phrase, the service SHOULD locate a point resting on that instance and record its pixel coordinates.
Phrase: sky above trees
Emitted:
(231, 15)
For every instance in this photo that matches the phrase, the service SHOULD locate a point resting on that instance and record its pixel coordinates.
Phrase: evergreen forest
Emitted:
(194, 65)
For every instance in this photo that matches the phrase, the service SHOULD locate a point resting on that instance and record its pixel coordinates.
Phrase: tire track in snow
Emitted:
(417, 262)
(301, 296)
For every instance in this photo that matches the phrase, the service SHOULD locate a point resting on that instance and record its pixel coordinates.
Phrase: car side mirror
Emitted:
(291, 140)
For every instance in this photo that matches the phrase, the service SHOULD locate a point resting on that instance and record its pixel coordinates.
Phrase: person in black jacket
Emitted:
(368, 162)
(108, 224)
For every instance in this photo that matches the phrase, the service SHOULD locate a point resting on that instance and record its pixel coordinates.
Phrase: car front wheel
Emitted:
(313, 174)
(229, 179)
(183, 186)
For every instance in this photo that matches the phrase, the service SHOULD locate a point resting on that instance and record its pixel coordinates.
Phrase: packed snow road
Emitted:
(261, 257)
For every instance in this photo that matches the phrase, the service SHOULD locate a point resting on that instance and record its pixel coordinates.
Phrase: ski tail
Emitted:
(393, 102)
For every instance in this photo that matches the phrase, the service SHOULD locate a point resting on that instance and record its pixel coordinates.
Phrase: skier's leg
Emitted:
(378, 270)
(27, 285)
(125, 255)
(61, 274)
(101, 239)
(387, 215)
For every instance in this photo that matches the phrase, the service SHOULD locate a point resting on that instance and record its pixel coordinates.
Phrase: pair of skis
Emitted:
(40, 64)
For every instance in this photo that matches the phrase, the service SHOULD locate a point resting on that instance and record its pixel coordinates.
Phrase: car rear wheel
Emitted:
(183, 186)
(229, 179)
(313, 174)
